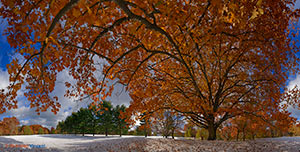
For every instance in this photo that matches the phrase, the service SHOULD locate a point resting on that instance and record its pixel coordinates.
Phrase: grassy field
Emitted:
(134, 143)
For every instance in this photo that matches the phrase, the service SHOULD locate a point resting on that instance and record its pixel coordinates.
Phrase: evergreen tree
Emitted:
(105, 117)
(119, 123)
(60, 127)
(71, 124)
(85, 119)
(93, 126)
(145, 125)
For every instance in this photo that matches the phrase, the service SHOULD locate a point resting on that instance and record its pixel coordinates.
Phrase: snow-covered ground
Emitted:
(135, 143)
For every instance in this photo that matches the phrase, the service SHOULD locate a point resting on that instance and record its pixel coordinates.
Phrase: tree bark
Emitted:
(244, 134)
(146, 134)
(83, 131)
(94, 128)
(212, 132)
(237, 136)
(244, 131)
(106, 132)
(173, 130)
(120, 130)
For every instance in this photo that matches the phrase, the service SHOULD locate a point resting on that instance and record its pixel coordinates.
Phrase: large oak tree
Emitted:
(209, 59)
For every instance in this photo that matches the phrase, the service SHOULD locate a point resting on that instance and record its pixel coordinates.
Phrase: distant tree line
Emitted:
(101, 119)
(11, 126)
(107, 119)
(34, 129)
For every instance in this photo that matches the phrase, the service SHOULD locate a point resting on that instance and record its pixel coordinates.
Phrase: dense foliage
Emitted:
(9, 126)
(103, 119)
(211, 60)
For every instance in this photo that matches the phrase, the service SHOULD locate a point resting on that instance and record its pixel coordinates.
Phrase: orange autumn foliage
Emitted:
(9, 126)
(251, 127)
(210, 60)
(34, 129)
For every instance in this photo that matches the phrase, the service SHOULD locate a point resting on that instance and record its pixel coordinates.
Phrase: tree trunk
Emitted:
(146, 134)
(94, 128)
(120, 130)
(244, 131)
(244, 134)
(106, 132)
(237, 136)
(173, 133)
(212, 132)
(145, 131)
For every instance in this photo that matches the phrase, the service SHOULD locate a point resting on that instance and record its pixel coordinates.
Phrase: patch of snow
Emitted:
(88, 142)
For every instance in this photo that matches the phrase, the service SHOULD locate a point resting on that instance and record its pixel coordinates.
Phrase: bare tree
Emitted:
(167, 123)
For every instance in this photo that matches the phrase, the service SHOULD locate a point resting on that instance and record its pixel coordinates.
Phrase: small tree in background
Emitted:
(9, 126)
(198, 134)
(201, 133)
(27, 130)
(145, 124)
(166, 123)
(105, 117)
(52, 130)
(119, 122)
(41, 131)
(70, 125)
(294, 130)
(85, 120)
(94, 119)
(60, 127)
(188, 132)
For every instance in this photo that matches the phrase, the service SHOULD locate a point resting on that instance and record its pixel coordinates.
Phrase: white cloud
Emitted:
(28, 116)
(296, 81)
(48, 119)
(24, 122)
(4, 79)
(297, 4)
(120, 96)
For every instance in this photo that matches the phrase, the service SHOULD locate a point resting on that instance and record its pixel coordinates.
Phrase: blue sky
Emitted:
(48, 119)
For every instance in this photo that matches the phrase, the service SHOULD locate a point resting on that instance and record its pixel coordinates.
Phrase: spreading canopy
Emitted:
(209, 59)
